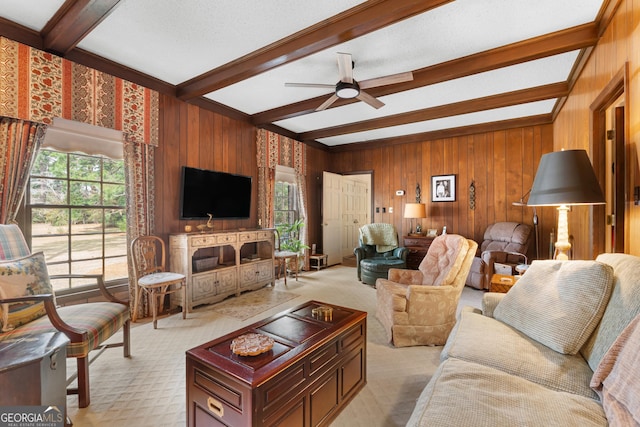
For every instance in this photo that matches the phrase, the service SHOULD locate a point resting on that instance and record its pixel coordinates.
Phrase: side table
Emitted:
(501, 283)
(33, 372)
(320, 259)
(417, 246)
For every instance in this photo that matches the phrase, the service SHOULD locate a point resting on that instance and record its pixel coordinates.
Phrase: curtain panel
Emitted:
(140, 184)
(19, 144)
(272, 150)
(38, 86)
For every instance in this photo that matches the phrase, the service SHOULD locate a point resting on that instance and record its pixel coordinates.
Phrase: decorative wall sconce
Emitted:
(472, 195)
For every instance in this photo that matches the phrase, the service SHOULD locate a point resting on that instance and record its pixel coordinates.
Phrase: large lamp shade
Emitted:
(414, 210)
(565, 178)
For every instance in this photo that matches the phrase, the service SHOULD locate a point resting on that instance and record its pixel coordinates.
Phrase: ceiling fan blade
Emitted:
(374, 102)
(314, 85)
(345, 67)
(333, 98)
(387, 80)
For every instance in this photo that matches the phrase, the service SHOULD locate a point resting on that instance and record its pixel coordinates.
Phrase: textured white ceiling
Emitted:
(175, 41)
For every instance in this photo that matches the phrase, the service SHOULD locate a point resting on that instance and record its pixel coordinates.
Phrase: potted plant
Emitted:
(289, 237)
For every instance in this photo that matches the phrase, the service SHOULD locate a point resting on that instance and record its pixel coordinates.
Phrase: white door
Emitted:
(331, 217)
(355, 209)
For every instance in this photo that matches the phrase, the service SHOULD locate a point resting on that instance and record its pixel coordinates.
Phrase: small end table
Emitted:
(501, 283)
(320, 259)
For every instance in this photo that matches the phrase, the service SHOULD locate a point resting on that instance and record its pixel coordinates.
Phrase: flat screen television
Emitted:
(222, 194)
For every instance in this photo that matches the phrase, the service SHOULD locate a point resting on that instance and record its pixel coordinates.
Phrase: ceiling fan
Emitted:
(347, 87)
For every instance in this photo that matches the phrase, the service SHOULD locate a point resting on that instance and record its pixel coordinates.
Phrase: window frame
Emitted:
(287, 176)
(87, 290)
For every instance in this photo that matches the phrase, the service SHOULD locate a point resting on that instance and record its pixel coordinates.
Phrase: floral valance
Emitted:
(274, 149)
(38, 86)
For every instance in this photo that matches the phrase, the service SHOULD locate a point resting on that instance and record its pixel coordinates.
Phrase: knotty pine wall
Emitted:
(192, 136)
(502, 165)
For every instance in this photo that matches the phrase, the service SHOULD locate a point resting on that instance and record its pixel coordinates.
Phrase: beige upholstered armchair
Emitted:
(418, 307)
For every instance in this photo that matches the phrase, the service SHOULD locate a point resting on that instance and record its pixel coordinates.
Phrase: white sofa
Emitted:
(562, 348)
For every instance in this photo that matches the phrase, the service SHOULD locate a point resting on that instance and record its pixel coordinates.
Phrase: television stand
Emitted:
(219, 264)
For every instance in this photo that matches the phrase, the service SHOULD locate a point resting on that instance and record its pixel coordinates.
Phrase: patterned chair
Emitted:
(418, 307)
(378, 252)
(28, 306)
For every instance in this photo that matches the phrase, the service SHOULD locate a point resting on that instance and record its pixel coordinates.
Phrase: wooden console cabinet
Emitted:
(417, 247)
(220, 264)
(316, 366)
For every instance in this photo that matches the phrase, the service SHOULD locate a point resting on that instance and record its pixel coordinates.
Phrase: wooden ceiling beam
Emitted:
(355, 22)
(72, 22)
(554, 90)
(522, 122)
(535, 48)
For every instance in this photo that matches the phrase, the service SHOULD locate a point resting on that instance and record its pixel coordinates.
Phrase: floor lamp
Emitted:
(563, 179)
(536, 233)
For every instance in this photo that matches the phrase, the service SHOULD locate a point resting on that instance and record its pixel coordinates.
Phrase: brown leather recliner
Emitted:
(505, 243)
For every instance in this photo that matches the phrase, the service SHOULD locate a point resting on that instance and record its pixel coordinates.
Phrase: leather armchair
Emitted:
(377, 252)
(505, 243)
(418, 307)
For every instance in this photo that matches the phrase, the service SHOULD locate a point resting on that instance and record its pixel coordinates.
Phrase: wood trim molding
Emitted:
(616, 87)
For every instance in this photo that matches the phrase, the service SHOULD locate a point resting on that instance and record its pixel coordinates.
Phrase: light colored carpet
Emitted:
(253, 303)
(148, 389)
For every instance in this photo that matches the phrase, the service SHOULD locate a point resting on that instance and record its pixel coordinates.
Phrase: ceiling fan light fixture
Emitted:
(347, 90)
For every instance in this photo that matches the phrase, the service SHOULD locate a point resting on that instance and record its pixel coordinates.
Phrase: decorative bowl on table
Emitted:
(251, 344)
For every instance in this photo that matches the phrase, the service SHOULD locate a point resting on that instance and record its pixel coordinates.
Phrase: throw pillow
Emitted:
(23, 277)
(558, 303)
(617, 378)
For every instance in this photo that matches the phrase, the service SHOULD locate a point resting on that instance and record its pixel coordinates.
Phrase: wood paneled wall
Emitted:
(502, 165)
(619, 47)
(192, 136)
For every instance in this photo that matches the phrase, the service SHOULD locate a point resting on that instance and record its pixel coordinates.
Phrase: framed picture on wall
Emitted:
(443, 188)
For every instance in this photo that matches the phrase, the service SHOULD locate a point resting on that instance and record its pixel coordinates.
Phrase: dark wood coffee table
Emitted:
(316, 366)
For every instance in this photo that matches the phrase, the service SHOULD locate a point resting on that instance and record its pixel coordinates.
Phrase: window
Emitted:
(76, 207)
(286, 209)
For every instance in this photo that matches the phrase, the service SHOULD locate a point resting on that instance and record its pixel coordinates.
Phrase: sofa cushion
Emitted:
(23, 277)
(463, 393)
(480, 339)
(99, 319)
(617, 379)
(623, 306)
(443, 260)
(558, 303)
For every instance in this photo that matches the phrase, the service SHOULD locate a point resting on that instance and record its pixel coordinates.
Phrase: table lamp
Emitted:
(414, 210)
(565, 178)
